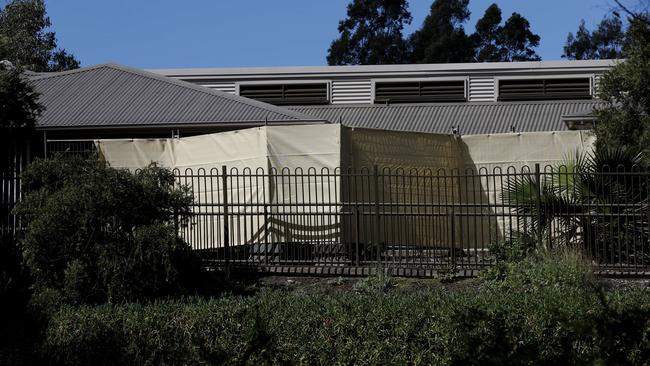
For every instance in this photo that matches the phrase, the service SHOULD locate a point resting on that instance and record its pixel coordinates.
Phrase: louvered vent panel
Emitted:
(545, 89)
(224, 86)
(597, 79)
(481, 89)
(286, 94)
(420, 91)
(351, 92)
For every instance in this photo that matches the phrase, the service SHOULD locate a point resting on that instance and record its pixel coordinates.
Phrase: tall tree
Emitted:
(608, 38)
(19, 109)
(517, 42)
(442, 37)
(19, 106)
(27, 41)
(605, 42)
(580, 46)
(513, 41)
(371, 34)
(486, 37)
(624, 121)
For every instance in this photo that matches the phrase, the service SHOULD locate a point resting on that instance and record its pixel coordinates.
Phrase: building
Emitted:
(475, 98)
(109, 100)
(112, 100)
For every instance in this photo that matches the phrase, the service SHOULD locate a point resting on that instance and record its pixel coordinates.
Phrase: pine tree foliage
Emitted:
(512, 41)
(371, 34)
(605, 42)
(442, 37)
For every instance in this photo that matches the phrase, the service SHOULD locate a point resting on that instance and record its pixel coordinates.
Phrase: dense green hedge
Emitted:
(477, 326)
(96, 234)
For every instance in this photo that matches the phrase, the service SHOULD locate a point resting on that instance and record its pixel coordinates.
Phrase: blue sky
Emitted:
(233, 33)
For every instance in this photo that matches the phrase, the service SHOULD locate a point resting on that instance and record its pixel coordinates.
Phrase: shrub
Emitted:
(98, 234)
(581, 202)
(561, 325)
(565, 268)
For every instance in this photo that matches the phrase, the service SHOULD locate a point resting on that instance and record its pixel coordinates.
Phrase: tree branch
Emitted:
(635, 16)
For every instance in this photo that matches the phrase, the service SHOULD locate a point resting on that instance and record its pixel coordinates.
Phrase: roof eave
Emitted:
(400, 68)
(229, 124)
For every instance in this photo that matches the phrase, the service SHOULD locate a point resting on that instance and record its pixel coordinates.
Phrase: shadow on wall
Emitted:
(428, 195)
(442, 191)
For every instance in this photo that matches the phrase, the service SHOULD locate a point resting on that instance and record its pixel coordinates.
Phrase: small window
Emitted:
(544, 89)
(286, 94)
(420, 91)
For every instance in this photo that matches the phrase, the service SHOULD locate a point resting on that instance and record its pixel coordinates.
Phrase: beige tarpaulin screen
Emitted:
(304, 183)
(423, 181)
(198, 160)
(412, 181)
(235, 149)
(522, 149)
(501, 155)
(428, 180)
(255, 159)
(491, 160)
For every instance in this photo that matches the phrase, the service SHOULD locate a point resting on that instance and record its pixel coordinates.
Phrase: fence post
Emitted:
(452, 221)
(266, 235)
(538, 203)
(45, 145)
(357, 222)
(375, 171)
(226, 231)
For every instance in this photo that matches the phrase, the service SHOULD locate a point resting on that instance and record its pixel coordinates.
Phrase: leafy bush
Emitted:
(540, 325)
(523, 270)
(97, 234)
(581, 201)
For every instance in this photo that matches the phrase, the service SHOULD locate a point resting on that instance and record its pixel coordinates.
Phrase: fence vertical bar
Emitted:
(452, 231)
(375, 171)
(226, 231)
(266, 234)
(45, 145)
(355, 212)
(645, 241)
(538, 203)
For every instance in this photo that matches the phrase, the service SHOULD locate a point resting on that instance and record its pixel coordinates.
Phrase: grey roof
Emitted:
(112, 95)
(469, 118)
(401, 69)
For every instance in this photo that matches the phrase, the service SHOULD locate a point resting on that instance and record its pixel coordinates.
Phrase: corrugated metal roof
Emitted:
(469, 118)
(115, 95)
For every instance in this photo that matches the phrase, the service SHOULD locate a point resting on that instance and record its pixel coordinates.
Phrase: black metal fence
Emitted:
(411, 222)
(14, 159)
(9, 195)
(415, 222)
(70, 147)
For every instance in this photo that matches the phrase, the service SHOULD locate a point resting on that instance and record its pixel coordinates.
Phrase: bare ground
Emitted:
(250, 284)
